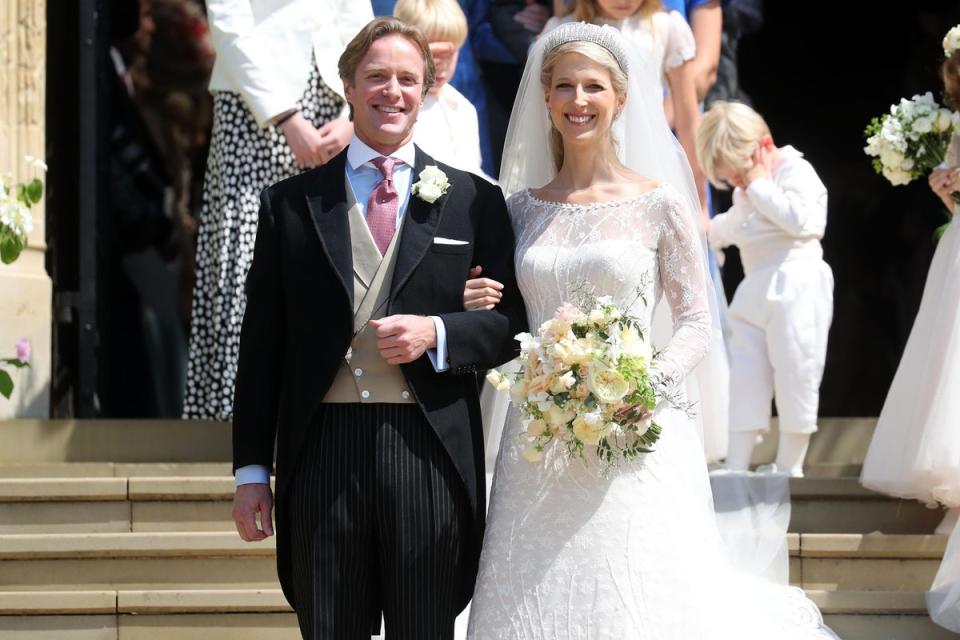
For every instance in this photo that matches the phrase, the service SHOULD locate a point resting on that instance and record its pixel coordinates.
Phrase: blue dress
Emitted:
(685, 7)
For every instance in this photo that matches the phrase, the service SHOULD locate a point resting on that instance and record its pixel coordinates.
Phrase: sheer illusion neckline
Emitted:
(592, 205)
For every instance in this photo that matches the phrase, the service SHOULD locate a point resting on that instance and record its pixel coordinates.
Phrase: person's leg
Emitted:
(422, 515)
(333, 552)
(797, 342)
(751, 391)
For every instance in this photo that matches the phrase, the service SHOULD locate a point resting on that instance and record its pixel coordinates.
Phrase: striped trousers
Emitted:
(376, 518)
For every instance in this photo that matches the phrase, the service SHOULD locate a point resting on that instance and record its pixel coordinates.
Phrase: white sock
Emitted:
(791, 451)
(740, 449)
(949, 521)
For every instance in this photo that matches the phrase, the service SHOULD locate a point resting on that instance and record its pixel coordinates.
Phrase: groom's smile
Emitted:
(387, 92)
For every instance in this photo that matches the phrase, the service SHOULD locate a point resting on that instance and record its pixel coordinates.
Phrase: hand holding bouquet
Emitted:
(586, 382)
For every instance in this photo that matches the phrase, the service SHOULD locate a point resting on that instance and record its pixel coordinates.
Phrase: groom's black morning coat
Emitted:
(299, 320)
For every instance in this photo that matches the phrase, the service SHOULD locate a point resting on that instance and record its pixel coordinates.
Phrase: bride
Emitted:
(570, 552)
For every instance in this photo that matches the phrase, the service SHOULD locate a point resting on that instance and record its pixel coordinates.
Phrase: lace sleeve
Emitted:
(682, 273)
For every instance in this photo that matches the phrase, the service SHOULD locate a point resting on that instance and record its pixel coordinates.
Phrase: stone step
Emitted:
(866, 562)
(203, 503)
(840, 442)
(841, 505)
(20, 470)
(878, 615)
(134, 561)
(144, 561)
(238, 614)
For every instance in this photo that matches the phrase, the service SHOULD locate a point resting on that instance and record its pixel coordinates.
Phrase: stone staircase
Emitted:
(101, 536)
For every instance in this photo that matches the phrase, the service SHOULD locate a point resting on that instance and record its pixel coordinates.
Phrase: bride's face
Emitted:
(582, 100)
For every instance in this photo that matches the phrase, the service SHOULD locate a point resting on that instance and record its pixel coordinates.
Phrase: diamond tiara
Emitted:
(605, 36)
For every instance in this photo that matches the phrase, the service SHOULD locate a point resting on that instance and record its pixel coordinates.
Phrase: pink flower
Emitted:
(23, 350)
(567, 313)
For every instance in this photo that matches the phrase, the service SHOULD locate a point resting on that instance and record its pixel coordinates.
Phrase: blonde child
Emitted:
(447, 127)
(781, 313)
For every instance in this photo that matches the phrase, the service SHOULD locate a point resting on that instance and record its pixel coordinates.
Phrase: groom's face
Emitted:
(387, 92)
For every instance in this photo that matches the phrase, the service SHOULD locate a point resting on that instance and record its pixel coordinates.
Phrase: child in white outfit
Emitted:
(447, 127)
(781, 313)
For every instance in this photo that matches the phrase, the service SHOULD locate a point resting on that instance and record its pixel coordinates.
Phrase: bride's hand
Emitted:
(481, 293)
(631, 413)
(944, 182)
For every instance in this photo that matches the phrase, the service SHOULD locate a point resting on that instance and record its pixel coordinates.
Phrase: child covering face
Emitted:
(447, 128)
(781, 313)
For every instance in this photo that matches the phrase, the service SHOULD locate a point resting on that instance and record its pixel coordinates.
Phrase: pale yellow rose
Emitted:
(557, 416)
(607, 385)
(536, 428)
(589, 427)
(633, 346)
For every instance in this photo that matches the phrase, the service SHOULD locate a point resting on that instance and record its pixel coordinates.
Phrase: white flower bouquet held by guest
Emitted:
(911, 140)
(586, 382)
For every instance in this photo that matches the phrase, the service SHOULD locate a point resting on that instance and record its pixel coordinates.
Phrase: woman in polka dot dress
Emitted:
(278, 109)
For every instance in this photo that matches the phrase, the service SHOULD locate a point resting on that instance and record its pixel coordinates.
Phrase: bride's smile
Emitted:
(581, 98)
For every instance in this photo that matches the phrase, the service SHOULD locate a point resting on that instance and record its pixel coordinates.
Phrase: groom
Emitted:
(356, 356)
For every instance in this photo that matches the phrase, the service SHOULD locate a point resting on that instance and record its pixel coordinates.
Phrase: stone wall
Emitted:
(25, 288)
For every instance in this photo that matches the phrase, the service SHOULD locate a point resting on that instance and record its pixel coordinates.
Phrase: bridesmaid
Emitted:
(915, 452)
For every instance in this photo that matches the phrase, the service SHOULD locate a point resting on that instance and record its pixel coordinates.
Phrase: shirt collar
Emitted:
(359, 153)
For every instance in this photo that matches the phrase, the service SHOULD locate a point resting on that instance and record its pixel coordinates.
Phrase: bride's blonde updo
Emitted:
(594, 52)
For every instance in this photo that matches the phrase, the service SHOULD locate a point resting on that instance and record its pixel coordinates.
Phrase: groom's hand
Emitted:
(249, 500)
(404, 338)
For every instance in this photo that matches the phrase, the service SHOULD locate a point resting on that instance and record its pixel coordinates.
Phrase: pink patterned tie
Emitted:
(382, 206)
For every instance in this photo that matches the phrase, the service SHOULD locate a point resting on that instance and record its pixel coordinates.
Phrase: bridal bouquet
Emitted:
(911, 140)
(585, 380)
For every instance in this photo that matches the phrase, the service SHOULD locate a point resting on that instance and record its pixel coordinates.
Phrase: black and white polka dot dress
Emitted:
(244, 159)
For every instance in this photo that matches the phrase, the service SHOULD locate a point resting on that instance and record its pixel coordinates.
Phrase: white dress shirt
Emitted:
(364, 178)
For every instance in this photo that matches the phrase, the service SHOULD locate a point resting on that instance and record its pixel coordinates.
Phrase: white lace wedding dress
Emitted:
(571, 553)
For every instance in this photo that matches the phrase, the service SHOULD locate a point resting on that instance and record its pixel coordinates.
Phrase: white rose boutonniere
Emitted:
(433, 183)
